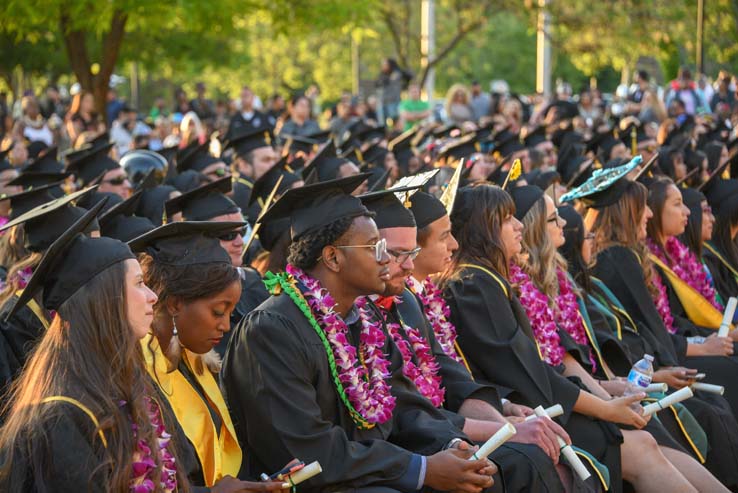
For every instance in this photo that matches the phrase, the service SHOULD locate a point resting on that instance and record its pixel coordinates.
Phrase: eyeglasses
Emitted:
(402, 257)
(118, 180)
(380, 248)
(232, 235)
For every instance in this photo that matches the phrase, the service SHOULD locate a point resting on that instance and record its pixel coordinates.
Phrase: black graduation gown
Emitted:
(496, 338)
(69, 463)
(253, 294)
(722, 275)
(281, 396)
(19, 335)
(619, 269)
(242, 194)
(522, 466)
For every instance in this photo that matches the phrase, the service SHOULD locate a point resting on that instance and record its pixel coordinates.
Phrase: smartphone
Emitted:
(699, 376)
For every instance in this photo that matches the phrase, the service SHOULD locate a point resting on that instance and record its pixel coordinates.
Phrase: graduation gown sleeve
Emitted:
(724, 279)
(619, 269)
(284, 405)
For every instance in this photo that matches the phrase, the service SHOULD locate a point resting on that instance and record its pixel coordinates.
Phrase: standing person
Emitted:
(300, 122)
(82, 117)
(723, 95)
(391, 80)
(481, 103)
(282, 388)
(204, 107)
(248, 118)
(458, 110)
(413, 110)
(83, 416)
(33, 126)
(683, 88)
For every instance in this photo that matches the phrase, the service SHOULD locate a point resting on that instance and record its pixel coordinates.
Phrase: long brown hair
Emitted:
(89, 353)
(542, 257)
(618, 225)
(657, 192)
(476, 223)
(14, 255)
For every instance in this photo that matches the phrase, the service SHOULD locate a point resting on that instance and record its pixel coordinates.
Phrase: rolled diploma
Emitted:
(678, 396)
(502, 435)
(551, 412)
(708, 387)
(567, 451)
(305, 473)
(728, 317)
(656, 387)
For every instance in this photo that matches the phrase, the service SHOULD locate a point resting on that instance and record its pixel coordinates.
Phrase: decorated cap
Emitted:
(605, 187)
(70, 262)
(312, 207)
(186, 242)
(204, 203)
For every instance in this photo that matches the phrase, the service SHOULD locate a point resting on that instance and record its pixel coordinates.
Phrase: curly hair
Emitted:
(306, 250)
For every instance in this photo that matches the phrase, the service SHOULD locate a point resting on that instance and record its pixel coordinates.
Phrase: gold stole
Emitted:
(698, 309)
(219, 455)
(722, 259)
(36, 309)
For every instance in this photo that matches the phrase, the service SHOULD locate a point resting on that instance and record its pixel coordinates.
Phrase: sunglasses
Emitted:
(402, 257)
(232, 235)
(380, 248)
(118, 180)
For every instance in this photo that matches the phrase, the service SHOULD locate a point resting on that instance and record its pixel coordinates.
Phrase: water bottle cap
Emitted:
(648, 357)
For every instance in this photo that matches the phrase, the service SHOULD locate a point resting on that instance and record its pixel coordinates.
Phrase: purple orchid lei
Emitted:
(438, 314)
(364, 384)
(685, 264)
(145, 472)
(424, 374)
(541, 316)
(568, 316)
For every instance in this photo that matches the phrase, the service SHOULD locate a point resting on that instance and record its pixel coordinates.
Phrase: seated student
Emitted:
(445, 382)
(563, 329)
(497, 339)
(718, 450)
(82, 415)
(721, 252)
(308, 374)
(38, 220)
(197, 289)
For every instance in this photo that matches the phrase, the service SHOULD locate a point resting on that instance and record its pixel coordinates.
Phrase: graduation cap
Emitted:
(151, 203)
(354, 155)
(45, 223)
(722, 195)
(169, 153)
(508, 143)
(45, 163)
(390, 210)
(605, 187)
(246, 142)
(525, 197)
(565, 134)
(35, 148)
(371, 134)
(92, 164)
(101, 140)
(375, 155)
(294, 144)
(543, 179)
(70, 262)
(314, 206)
(186, 242)
(444, 131)
(326, 163)
(271, 231)
(34, 180)
(461, 148)
(197, 159)
(535, 136)
(90, 200)
(189, 180)
(26, 200)
(378, 179)
(266, 182)
(321, 136)
(714, 177)
(119, 221)
(603, 143)
(426, 209)
(449, 193)
(204, 203)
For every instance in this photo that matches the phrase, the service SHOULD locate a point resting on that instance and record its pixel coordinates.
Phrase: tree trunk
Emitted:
(75, 42)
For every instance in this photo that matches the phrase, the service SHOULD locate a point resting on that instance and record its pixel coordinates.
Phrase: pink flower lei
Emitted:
(568, 316)
(144, 472)
(685, 264)
(541, 316)
(662, 303)
(365, 384)
(424, 374)
(438, 314)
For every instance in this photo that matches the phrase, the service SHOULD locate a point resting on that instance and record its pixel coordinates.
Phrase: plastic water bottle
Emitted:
(639, 378)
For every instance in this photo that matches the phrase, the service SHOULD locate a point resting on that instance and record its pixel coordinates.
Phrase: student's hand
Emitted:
(518, 410)
(450, 470)
(616, 387)
(229, 484)
(619, 411)
(541, 432)
(718, 346)
(675, 376)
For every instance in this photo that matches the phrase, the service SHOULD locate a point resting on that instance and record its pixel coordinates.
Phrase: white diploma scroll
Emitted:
(728, 317)
(568, 452)
(494, 442)
(678, 396)
(307, 472)
(708, 387)
(656, 387)
(551, 412)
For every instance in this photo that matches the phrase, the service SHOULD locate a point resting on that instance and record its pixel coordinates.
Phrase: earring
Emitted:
(174, 326)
